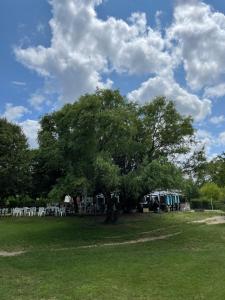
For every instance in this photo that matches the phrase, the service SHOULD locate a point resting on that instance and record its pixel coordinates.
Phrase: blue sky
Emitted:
(52, 52)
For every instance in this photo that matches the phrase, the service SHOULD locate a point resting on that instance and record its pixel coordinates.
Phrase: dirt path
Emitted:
(112, 244)
(8, 254)
(137, 241)
(211, 221)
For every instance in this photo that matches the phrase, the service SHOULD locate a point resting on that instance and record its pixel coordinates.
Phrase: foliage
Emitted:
(164, 131)
(216, 170)
(106, 175)
(190, 189)
(131, 189)
(19, 201)
(109, 144)
(14, 160)
(210, 191)
(160, 174)
(103, 143)
(196, 166)
(68, 185)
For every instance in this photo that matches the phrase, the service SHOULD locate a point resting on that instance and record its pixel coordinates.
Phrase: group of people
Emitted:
(95, 205)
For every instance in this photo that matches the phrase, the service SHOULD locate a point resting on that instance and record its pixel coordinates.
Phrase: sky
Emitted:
(51, 52)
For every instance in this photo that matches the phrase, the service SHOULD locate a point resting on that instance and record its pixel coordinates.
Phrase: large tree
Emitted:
(105, 142)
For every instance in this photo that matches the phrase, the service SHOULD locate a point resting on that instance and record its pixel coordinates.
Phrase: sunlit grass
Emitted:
(190, 265)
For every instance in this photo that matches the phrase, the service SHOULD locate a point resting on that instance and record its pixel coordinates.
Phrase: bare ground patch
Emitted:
(9, 254)
(211, 221)
(137, 241)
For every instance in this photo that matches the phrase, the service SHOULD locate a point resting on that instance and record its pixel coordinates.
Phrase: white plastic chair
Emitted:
(62, 211)
(32, 211)
(17, 212)
(41, 211)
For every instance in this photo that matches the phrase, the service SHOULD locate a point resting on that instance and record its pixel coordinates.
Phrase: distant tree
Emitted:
(211, 192)
(216, 170)
(196, 165)
(14, 160)
(190, 189)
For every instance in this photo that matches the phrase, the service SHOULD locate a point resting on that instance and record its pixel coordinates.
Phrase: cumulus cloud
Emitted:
(199, 32)
(85, 50)
(216, 91)
(208, 140)
(213, 143)
(222, 138)
(217, 120)
(186, 103)
(36, 100)
(30, 129)
(14, 113)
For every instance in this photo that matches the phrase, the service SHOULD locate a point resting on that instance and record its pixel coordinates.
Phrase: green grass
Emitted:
(190, 265)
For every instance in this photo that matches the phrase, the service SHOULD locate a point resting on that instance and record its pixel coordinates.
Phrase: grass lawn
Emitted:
(189, 265)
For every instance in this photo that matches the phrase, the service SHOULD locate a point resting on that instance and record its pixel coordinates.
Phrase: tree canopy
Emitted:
(14, 160)
(103, 143)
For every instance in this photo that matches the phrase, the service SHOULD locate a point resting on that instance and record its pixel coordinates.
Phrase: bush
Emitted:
(200, 203)
(41, 202)
(203, 203)
(18, 201)
(2, 202)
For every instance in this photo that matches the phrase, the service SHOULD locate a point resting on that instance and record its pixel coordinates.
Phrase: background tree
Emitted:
(211, 192)
(190, 189)
(216, 170)
(14, 160)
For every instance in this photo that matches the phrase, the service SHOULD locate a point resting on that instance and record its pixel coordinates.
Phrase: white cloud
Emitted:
(84, 48)
(211, 142)
(215, 91)
(199, 33)
(14, 113)
(40, 27)
(20, 83)
(217, 119)
(158, 15)
(186, 103)
(30, 129)
(222, 138)
(36, 100)
(206, 139)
